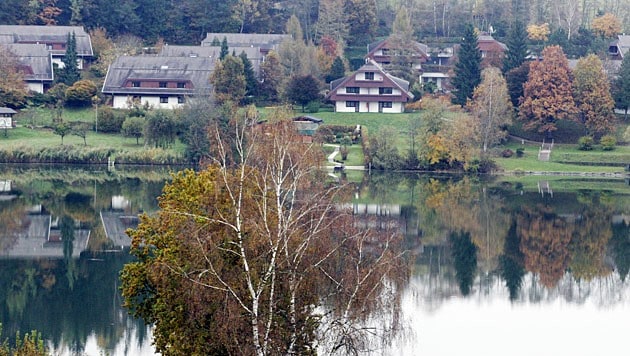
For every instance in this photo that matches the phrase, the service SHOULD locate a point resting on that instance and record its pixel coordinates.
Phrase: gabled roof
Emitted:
(47, 35)
(487, 43)
(423, 49)
(195, 70)
(262, 40)
(35, 61)
(623, 44)
(370, 66)
(5, 111)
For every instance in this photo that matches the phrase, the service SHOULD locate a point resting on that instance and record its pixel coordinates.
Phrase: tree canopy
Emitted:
(591, 91)
(467, 68)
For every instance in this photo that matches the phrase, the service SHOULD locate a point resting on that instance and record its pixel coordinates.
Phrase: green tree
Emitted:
(591, 91)
(81, 93)
(231, 245)
(303, 89)
(270, 77)
(517, 47)
(547, 95)
(12, 88)
(621, 87)
(511, 263)
(81, 130)
(251, 83)
(362, 20)
(224, 49)
(62, 129)
(31, 344)
(492, 108)
(403, 47)
(467, 68)
(70, 73)
(464, 253)
(160, 129)
(515, 79)
(228, 80)
(133, 126)
(337, 70)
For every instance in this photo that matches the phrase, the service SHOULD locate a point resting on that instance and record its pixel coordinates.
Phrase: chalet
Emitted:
(55, 39)
(370, 89)
(6, 118)
(162, 82)
(213, 52)
(36, 64)
(492, 51)
(383, 53)
(619, 48)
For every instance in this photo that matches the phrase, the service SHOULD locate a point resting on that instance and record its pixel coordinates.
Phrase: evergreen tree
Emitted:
(337, 70)
(70, 73)
(224, 49)
(517, 47)
(251, 83)
(228, 80)
(467, 68)
(621, 86)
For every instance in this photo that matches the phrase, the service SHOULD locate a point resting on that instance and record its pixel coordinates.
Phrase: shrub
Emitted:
(507, 153)
(520, 152)
(81, 93)
(312, 107)
(608, 142)
(109, 120)
(344, 152)
(585, 143)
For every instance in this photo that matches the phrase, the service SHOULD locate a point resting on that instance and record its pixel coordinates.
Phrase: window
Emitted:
(164, 100)
(136, 99)
(163, 84)
(352, 104)
(181, 100)
(386, 104)
(352, 90)
(384, 91)
(369, 75)
(181, 85)
(135, 84)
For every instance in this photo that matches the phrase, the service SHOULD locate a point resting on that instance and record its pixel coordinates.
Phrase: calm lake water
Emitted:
(504, 266)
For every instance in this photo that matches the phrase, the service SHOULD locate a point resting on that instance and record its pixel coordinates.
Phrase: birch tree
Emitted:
(491, 108)
(252, 256)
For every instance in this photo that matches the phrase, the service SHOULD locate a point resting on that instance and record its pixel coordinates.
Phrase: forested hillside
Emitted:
(356, 21)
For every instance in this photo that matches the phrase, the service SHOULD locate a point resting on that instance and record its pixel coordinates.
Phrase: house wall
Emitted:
(397, 107)
(120, 101)
(37, 87)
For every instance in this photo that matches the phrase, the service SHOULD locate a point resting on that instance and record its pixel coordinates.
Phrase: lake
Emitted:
(503, 265)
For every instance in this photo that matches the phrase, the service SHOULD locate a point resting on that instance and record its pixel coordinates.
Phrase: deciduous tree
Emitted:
(491, 108)
(270, 77)
(133, 126)
(160, 129)
(591, 91)
(260, 246)
(12, 88)
(547, 95)
(467, 68)
(303, 89)
(81, 93)
(228, 80)
(607, 25)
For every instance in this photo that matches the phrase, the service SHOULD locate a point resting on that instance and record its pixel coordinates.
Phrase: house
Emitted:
(253, 54)
(492, 51)
(370, 89)
(383, 53)
(36, 64)
(260, 43)
(619, 48)
(6, 118)
(159, 81)
(55, 39)
(436, 69)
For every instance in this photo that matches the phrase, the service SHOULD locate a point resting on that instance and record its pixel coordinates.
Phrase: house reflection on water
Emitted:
(117, 221)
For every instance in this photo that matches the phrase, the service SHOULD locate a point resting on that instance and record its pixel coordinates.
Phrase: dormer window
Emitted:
(352, 90)
(369, 75)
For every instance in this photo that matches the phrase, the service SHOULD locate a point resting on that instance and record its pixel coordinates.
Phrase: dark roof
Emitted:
(308, 118)
(421, 48)
(35, 61)
(196, 70)
(253, 53)
(487, 43)
(263, 40)
(371, 66)
(47, 34)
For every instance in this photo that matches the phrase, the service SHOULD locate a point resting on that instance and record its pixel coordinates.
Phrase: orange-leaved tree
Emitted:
(547, 95)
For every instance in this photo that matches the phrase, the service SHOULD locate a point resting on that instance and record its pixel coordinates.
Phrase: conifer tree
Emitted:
(621, 87)
(467, 68)
(251, 84)
(70, 73)
(517, 47)
(337, 70)
(224, 49)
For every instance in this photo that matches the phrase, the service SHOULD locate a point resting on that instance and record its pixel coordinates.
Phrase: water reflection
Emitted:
(61, 252)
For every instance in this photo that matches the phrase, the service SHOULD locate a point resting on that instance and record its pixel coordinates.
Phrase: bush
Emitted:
(608, 142)
(344, 152)
(312, 107)
(81, 93)
(520, 152)
(110, 120)
(585, 143)
(507, 153)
